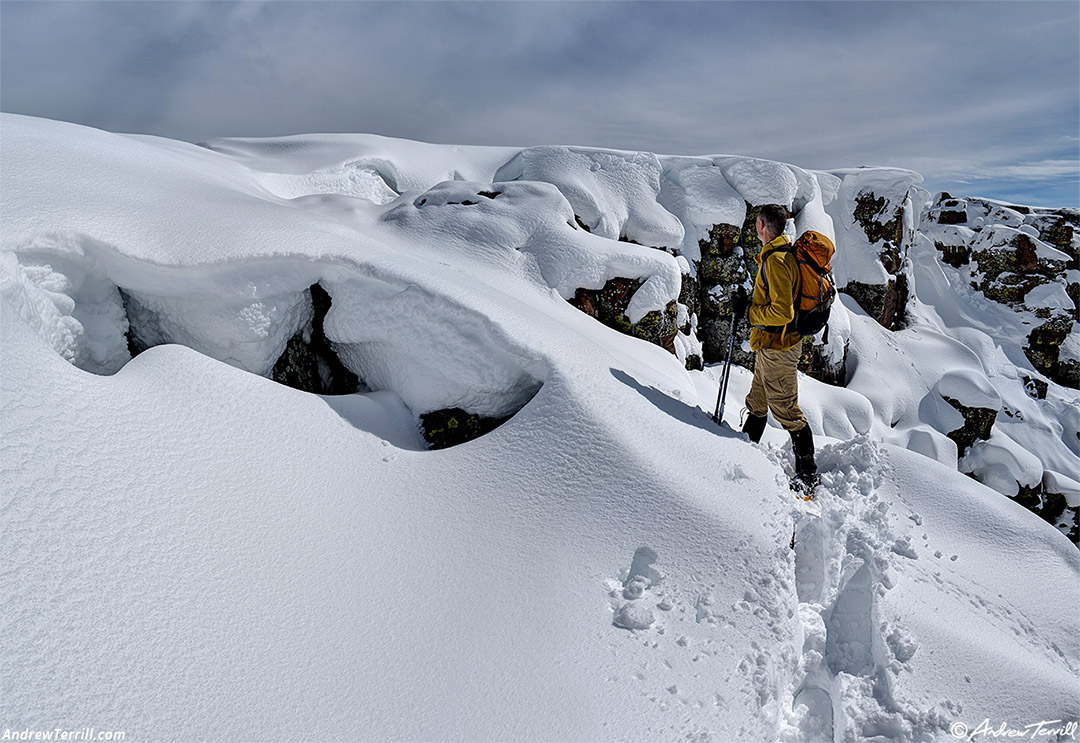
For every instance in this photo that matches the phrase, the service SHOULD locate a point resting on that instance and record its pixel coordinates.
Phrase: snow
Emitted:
(1049, 296)
(1002, 464)
(192, 551)
(969, 388)
(761, 181)
(77, 310)
(856, 258)
(697, 192)
(1055, 482)
(614, 193)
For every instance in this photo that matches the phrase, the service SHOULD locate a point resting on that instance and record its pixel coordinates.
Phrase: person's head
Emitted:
(771, 220)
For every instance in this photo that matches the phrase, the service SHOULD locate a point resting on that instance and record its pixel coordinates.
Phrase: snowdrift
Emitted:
(192, 550)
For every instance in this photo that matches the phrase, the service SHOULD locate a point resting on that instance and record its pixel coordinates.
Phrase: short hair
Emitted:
(774, 217)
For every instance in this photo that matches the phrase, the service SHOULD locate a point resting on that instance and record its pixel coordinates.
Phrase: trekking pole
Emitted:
(721, 398)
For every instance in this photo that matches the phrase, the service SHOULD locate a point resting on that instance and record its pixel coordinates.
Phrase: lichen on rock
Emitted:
(609, 305)
(726, 263)
(453, 426)
(1044, 351)
(658, 327)
(869, 209)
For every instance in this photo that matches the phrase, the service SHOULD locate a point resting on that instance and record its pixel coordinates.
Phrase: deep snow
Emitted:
(192, 551)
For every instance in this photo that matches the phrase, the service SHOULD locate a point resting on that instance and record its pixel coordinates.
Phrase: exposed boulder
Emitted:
(1044, 351)
(886, 303)
(1061, 233)
(453, 426)
(879, 222)
(1052, 508)
(1010, 267)
(814, 362)
(725, 265)
(972, 395)
(978, 423)
(309, 362)
(609, 306)
(659, 327)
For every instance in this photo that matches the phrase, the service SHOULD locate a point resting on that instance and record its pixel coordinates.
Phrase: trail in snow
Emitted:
(844, 546)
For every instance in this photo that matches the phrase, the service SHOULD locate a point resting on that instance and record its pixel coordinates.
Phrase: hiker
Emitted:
(777, 347)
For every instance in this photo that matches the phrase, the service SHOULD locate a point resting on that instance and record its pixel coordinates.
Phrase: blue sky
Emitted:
(982, 98)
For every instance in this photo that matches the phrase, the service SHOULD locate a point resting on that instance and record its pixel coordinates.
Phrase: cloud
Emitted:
(957, 88)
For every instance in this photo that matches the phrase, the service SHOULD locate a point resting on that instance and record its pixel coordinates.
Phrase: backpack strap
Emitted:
(787, 248)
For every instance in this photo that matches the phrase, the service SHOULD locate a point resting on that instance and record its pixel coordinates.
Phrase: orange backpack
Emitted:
(816, 288)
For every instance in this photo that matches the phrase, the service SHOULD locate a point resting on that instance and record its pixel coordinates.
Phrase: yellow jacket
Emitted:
(772, 310)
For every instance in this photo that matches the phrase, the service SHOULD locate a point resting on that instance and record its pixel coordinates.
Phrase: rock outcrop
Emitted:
(1025, 258)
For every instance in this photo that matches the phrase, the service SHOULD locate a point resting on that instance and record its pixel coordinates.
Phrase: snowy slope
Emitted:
(192, 551)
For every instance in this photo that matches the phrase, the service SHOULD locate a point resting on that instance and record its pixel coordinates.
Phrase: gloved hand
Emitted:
(739, 301)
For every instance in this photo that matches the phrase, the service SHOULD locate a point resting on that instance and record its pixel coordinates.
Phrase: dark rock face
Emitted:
(1037, 388)
(690, 297)
(869, 212)
(1060, 233)
(311, 364)
(1044, 349)
(135, 342)
(720, 261)
(1052, 508)
(659, 327)
(453, 426)
(886, 303)
(951, 217)
(813, 363)
(956, 256)
(978, 423)
(1012, 270)
(748, 239)
(727, 262)
(608, 305)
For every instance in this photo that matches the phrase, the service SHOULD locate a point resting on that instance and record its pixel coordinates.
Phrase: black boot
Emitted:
(806, 476)
(754, 426)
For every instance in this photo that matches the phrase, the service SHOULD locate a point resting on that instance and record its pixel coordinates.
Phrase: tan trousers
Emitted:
(776, 387)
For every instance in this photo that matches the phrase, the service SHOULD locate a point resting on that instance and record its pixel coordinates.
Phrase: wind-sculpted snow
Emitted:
(192, 551)
(433, 352)
(74, 307)
(613, 193)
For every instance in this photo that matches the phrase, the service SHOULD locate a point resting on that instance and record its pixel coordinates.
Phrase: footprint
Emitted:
(817, 724)
(636, 614)
(642, 565)
(849, 628)
(810, 561)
